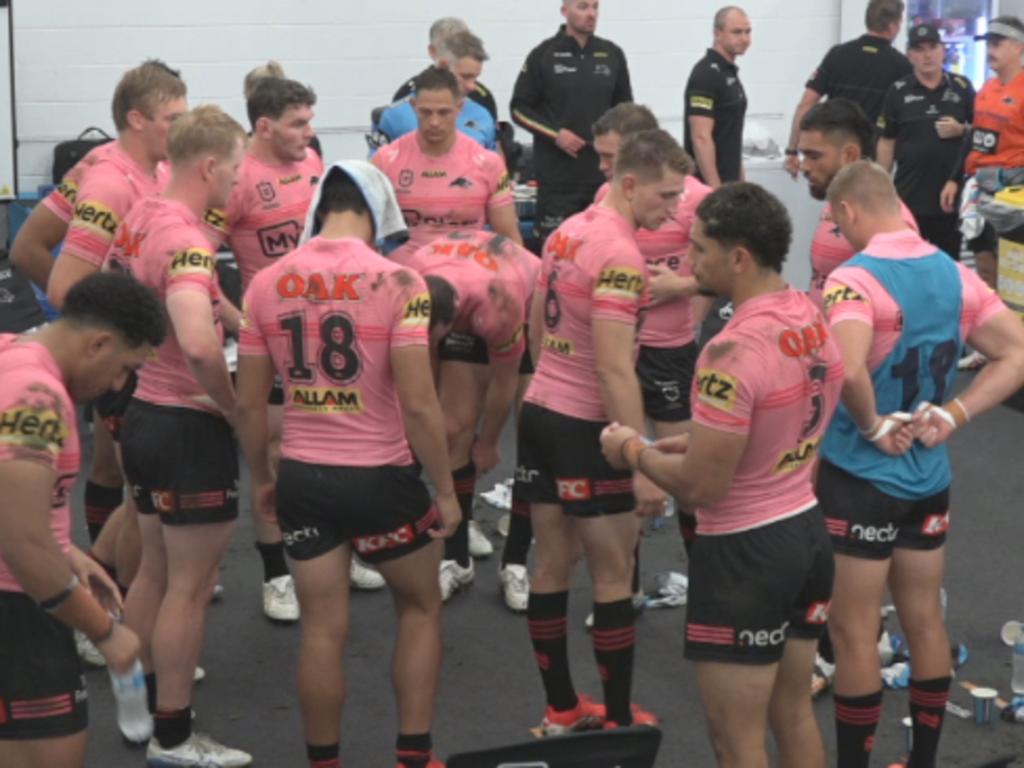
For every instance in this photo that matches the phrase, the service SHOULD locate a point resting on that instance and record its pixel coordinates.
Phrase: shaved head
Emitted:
(866, 186)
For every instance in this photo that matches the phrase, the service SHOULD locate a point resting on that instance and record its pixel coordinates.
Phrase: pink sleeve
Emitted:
(499, 182)
(33, 422)
(848, 296)
(251, 340)
(60, 202)
(191, 267)
(724, 389)
(101, 203)
(620, 286)
(411, 319)
(980, 303)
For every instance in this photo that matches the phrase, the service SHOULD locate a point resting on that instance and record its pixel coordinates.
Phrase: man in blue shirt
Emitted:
(463, 55)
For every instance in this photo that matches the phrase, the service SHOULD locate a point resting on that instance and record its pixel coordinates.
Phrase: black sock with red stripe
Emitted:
(323, 756)
(546, 615)
(172, 727)
(927, 708)
(100, 503)
(614, 637)
(856, 720)
(413, 750)
(456, 546)
(520, 534)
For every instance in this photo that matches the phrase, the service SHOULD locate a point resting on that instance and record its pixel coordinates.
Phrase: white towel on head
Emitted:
(379, 195)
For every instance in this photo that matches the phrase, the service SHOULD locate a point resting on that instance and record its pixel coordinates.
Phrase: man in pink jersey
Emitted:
(900, 311)
(584, 315)
(833, 134)
(178, 448)
(490, 279)
(443, 179)
(264, 219)
(347, 331)
(109, 327)
(761, 566)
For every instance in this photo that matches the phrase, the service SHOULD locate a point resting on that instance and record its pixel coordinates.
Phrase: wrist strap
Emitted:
(51, 604)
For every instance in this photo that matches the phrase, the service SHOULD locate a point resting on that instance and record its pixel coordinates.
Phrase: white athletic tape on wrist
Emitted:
(887, 424)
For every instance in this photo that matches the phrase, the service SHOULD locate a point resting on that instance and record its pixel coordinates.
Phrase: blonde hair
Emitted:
(207, 129)
(272, 68)
(142, 88)
(867, 185)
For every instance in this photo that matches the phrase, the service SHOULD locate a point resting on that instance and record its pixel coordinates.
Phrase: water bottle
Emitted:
(1017, 684)
(133, 717)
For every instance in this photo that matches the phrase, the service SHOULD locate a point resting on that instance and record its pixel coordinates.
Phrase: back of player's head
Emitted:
(113, 301)
(880, 15)
(646, 155)
(272, 96)
(205, 130)
(462, 45)
(841, 121)
(444, 28)
(747, 215)
(442, 301)
(436, 79)
(271, 69)
(143, 88)
(866, 185)
(340, 193)
(624, 119)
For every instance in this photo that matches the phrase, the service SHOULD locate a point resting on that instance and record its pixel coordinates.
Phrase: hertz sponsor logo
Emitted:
(322, 400)
(417, 311)
(68, 190)
(793, 460)
(97, 217)
(623, 282)
(216, 218)
(837, 294)
(561, 346)
(319, 287)
(702, 102)
(504, 182)
(194, 261)
(716, 388)
(38, 429)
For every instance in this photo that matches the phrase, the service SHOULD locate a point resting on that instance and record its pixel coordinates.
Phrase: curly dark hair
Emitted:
(116, 302)
(751, 216)
(844, 120)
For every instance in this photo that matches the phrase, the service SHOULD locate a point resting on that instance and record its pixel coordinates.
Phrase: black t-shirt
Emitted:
(714, 90)
(924, 161)
(860, 70)
(19, 309)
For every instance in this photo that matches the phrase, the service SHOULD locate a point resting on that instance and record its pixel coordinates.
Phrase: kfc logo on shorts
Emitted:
(935, 525)
(574, 489)
(163, 501)
(817, 613)
(308, 533)
(367, 545)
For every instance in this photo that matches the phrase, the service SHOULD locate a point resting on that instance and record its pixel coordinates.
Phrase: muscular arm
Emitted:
(503, 221)
(32, 252)
(255, 380)
(501, 394)
(701, 130)
(854, 339)
(1001, 340)
(885, 152)
(67, 271)
(620, 389)
(191, 315)
(536, 323)
(809, 98)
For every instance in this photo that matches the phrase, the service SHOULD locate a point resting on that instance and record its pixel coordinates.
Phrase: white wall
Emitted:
(69, 55)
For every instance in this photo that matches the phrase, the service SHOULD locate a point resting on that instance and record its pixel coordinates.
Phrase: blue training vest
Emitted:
(473, 120)
(922, 366)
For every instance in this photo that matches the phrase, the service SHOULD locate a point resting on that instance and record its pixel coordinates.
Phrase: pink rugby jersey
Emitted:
(267, 210)
(592, 269)
(441, 194)
(107, 188)
(38, 423)
(852, 293)
(474, 263)
(328, 315)
(162, 243)
(773, 374)
(829, 249)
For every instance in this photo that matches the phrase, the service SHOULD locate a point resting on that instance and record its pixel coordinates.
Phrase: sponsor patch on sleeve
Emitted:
(620, 282)
(95, 217)
(717, 388)
(193, 261)
(702, 102)
(839, 294)
(35, 429)
(504, 182)
(68, 190)
(416, 313)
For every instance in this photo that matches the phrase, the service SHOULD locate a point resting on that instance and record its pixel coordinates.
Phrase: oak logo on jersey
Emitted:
(561, 346)
(837, 294)
(803, 342)
(129, 243)
(280, 239)
(716, 388)
(327, 400)
(194, 261)
(793, 460)
(33, 428)
(266, 191)
(97, 217)
(318, 287)
(622, 282)
(562, 247)
(417, 311)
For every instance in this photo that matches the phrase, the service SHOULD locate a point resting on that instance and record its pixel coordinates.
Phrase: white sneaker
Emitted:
(479, 545)
(198, 751)
(87, 652)
(362, 576)
(279, 600)
(454, 578)
(514, 584)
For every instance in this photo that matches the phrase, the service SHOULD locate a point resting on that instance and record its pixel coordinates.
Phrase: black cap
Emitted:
(923, 33)
(1003, 27)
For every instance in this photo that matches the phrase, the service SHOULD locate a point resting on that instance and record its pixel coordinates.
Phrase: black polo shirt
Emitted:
(924, 161)
(860, 70)
(714, 90)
